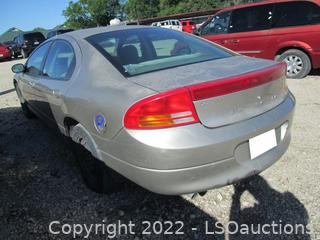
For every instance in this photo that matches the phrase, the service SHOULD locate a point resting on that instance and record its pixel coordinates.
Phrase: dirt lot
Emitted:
(40, 182)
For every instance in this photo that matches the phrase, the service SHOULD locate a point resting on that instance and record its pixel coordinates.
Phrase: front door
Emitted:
(31, 77)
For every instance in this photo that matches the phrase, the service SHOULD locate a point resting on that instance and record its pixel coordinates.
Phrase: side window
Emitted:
(296, 14)
(110, 46)
(251, 19)
(218, 25)
(60, 62)
(36, 60)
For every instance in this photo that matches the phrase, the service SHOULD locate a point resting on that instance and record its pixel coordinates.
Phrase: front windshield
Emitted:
(138, 51)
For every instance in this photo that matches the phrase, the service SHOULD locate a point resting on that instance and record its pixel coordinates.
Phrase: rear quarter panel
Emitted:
(100, 89)
(303, 37)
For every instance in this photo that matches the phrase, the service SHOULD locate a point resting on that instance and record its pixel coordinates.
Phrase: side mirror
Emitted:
(18, 68)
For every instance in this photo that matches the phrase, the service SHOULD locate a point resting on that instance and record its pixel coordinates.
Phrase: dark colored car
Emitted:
(188, 26)
(5, 52)
(283, 30)
(13, 48)
(27, 42)
(58, 32)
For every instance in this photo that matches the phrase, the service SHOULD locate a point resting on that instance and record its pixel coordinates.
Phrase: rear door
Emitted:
(244, 30)
(57, 72)
(249, 30)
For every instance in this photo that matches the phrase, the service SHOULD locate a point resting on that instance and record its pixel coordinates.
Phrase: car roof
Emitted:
(83, 33)
(264, 3)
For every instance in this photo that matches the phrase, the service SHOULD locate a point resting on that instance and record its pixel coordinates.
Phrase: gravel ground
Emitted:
(40, 183)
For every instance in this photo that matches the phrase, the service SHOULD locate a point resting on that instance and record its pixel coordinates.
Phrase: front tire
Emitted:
(298, 63)
(24, 104)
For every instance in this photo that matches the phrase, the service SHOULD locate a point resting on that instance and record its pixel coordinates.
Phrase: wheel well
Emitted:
(69, 122)
(282, 50)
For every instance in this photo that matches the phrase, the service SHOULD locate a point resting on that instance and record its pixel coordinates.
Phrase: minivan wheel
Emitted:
(298, 63)
(96, 175)
(24, 104)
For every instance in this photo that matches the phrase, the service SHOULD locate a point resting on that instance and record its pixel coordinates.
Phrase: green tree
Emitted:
(90, 13)
(139, 9)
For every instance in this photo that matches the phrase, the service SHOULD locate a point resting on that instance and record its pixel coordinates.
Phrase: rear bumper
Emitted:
(194, 158)
(5, 55)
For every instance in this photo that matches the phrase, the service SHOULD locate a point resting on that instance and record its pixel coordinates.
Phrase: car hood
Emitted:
(164, 80)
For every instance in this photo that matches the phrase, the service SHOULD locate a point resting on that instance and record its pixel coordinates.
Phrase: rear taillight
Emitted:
(238, 83)
(170, 109)
(175, 108)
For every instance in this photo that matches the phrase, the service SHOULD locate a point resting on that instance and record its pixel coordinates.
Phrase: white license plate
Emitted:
(262, 143)
(36, 43)
(1, 55)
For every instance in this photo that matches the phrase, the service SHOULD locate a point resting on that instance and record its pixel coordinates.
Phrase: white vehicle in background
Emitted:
(171, 24)
(156, 24)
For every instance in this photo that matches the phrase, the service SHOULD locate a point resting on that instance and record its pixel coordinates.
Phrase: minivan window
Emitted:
(251, 18)
(295, 14)
(35, 61)
(218, 25)
(60, 62)
(154, 49)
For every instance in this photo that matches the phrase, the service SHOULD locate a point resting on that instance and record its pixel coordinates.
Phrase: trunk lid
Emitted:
(226, 90)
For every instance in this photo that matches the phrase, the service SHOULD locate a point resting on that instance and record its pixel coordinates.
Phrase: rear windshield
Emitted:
(138, 51)
(35, 35)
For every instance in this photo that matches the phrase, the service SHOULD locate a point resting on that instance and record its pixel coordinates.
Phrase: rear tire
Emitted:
(96, 175)
(24, 53)
(298, 63)
(24, 104)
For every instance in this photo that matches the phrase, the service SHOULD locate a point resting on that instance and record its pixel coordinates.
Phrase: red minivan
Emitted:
(282, 30)
(188, 26)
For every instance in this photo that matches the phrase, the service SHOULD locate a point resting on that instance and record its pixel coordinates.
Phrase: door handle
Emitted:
(32, 84)
(56, 93)
(222, 41)
(234, 41)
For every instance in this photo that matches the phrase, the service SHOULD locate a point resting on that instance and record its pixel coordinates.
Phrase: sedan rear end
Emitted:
(214, 116)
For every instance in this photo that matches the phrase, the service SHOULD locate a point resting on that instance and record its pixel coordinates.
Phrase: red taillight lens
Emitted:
(169, 109)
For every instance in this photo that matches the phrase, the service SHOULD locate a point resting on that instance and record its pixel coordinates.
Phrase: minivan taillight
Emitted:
(169, 109)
